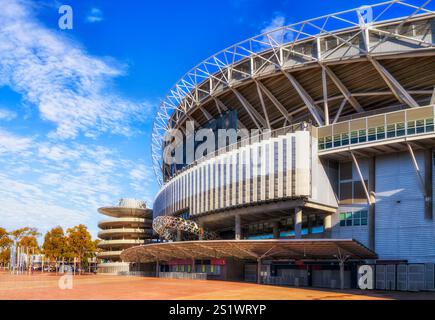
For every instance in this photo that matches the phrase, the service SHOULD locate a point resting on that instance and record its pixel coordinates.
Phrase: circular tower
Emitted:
(129, 225)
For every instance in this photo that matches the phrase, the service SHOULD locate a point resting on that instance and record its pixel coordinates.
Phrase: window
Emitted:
(391, 131)
(419, 126)
(411, 127)
(356, 219)
(354, 137)
(429, 125)
(345, 139)
(380, 133)
(362, 136)
(400, 129)
(337, 140)
(372, 134)
(321, 143)
(328, 142)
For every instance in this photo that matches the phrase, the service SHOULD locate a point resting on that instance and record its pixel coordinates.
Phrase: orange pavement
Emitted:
(45, 286)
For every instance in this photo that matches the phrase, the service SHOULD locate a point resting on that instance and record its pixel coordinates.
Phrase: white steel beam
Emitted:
(260, 96)
(275, 101)
(432, 99)
(361, 178)
(345, 92)
(401, 94)
(417, 170)
(259, 121)
(309, 102)
(340, 109)
(205, 113)
(325, 96)
(221, 106)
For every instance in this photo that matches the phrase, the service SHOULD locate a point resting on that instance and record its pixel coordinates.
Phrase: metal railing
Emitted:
(183, 275)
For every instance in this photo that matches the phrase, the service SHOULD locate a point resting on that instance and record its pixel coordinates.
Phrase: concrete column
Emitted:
(327, 225)
(341, 275)
(298, 223)
(371, 213)
(157, 269)
(276, 230)
(238, 228)
(259, 271)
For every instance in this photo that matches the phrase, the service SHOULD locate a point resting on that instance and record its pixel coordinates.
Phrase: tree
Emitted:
(79, 242)
(26, 237)
(55, 244)
(5, 245)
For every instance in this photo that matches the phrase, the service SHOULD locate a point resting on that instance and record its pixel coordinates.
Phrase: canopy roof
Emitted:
(304, 249)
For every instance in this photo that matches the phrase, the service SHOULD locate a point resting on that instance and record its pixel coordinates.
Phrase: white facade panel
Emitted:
(245, 175)
(402, 232)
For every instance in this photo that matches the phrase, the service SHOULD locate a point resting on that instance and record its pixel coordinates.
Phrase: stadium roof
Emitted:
(247, 73)
(304, 249)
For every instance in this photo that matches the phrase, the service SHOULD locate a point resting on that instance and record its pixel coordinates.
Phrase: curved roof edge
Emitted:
(272, 41)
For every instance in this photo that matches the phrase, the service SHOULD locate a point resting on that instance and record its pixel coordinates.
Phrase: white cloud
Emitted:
(69, 87)
(95, 15)
(37, 177)
(62, 178)
(7, 115)
(10, 143)
(276, 22)
(278, 36)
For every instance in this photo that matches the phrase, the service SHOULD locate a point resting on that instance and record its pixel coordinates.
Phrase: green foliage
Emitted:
(79, 242)
(5, 244)
(26, 237)
(76, 244)
(55, 244)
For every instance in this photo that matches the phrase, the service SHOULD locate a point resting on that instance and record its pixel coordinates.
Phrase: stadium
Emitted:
(339, 172)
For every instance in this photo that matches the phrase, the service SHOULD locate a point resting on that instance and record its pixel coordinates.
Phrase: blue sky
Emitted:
(77, 106)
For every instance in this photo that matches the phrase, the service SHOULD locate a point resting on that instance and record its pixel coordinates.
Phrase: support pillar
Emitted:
(238, 228)
(276, 234)
(259, 271)
(327, 225)
(371, 213)
(157, 269)
(341, 275)
(298, 223)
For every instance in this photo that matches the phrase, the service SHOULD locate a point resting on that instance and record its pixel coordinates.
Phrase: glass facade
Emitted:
(357, 218)
(389, 131)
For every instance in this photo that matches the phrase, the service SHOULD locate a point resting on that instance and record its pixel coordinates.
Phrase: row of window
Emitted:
(357, 218)
(378, 133)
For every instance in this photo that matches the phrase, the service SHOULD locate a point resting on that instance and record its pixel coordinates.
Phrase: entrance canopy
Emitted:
(304, 249)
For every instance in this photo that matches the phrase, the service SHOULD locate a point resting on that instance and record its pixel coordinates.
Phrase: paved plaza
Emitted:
(95, 287)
